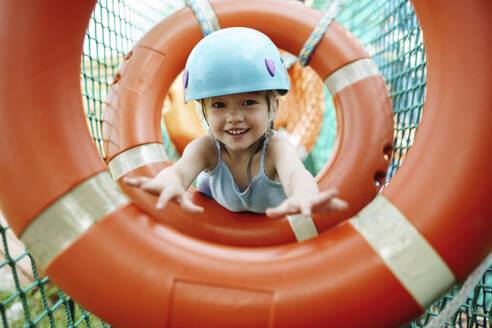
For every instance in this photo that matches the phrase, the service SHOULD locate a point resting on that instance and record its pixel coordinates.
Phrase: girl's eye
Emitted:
(249, 102)
(218, 104)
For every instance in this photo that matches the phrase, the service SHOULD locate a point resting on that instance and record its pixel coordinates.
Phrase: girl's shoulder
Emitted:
(273, 152)
(279, 149)
(206, 141)
(207, 148)
(278, 142)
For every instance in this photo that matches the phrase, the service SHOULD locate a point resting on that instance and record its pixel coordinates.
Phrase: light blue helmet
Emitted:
(234, 60)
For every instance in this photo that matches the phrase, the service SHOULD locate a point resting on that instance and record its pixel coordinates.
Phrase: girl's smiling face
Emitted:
(239, 120)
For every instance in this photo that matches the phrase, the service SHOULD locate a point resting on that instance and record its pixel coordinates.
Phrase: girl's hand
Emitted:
(322, 203)
(167, 191)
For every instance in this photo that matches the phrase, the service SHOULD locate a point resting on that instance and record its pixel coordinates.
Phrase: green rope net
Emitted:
(390, 32)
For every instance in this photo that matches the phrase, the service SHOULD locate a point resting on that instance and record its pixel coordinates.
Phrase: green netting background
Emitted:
(390, 32)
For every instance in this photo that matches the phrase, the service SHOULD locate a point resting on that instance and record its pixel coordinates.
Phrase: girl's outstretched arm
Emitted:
(171, 183)
(303, 195)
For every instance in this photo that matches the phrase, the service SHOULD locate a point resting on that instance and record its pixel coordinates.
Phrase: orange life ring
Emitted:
(363, 145)
(122, 265)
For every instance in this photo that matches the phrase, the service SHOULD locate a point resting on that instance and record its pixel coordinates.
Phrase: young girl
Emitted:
(237, 75)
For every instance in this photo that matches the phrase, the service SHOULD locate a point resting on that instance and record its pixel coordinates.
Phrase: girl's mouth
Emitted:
(237, 132)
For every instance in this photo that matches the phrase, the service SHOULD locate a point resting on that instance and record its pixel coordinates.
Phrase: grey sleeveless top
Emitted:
(261, 194)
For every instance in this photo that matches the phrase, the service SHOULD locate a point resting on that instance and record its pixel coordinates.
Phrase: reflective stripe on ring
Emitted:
(289, 59)
(135, 157)
(404, 250)
(302, 226)
(59, 225)
(350, 74)
(205, 14)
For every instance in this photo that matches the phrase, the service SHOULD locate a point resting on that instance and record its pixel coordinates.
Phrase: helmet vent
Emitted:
(185, 79)
(270, 66)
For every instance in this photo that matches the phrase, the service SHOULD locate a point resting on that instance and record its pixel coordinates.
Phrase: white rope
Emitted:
(462, 295)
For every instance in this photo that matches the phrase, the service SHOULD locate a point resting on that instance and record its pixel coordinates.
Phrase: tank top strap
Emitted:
(263, 151)
(217, 144)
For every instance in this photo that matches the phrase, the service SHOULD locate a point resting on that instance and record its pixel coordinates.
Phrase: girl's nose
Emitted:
(235, 115)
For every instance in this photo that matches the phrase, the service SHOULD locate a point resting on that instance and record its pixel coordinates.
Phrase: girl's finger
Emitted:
(137, 181)
(283, 209)
(305, 209)
(188, 205)
(165, 196)
(326, 195)
(338, 204)
(152, 188)
(333, 204)
(277, 211)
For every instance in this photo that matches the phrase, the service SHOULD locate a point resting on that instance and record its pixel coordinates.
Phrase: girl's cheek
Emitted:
(213, 121)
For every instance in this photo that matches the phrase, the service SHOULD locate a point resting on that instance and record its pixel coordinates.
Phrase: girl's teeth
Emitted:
(236, 132)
